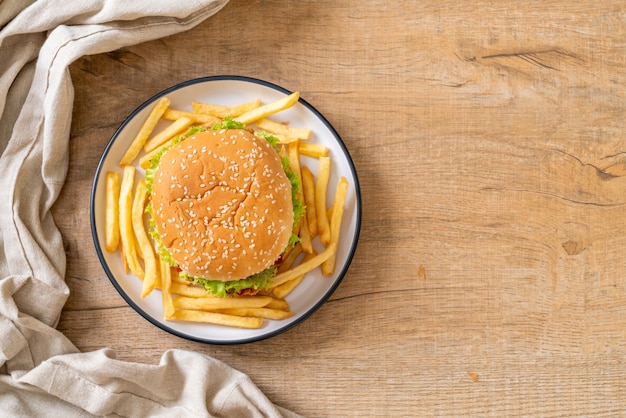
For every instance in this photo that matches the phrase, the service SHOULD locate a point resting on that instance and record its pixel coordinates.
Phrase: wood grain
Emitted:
(490, 278)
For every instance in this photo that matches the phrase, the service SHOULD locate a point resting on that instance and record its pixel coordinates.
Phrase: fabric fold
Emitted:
(102, 385)
(41, 371)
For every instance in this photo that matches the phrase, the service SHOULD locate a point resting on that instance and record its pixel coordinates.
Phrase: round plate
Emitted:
(315, 289)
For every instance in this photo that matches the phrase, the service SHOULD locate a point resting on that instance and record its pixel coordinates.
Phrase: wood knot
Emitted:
(573, 247)
(421, 272)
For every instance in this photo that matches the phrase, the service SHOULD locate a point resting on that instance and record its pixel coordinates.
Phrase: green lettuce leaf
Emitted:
(219, 288)
(228, 123)
(296, 187)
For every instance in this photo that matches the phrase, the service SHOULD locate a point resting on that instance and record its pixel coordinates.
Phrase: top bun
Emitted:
(222, 204)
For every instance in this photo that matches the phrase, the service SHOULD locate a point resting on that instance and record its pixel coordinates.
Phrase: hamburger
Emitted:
(224, 208)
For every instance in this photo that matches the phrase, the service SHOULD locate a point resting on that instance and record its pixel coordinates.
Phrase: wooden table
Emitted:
(489, 139)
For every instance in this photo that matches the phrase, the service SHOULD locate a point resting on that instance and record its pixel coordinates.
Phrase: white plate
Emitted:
(315, 289)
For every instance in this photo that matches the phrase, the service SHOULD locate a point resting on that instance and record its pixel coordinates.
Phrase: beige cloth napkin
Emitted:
(41, 371)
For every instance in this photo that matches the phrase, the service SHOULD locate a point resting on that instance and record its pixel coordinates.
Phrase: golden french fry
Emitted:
(175, 114)
(268, 109)
(290, 258)
(277, 303)
(305, 236)
(112, 214)
(188, 290)
(166, 292)
(294, 158)
(305, 267)
(218, 318)
(175, 128)
(308, 191)
(124, 261)
(211, 303)
(321, 187)
(328, 267)
(146, 130)
(151, 272)
(158, 279)
(137, 208)
(127, 235)
(268, 313)
(177, 279)
(313, 150)
(221, 111)
(281, 291)
(282, 129)
(144, 160)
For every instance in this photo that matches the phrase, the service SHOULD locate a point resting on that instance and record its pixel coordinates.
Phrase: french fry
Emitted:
(278, 304)
(218, 318)
(328, 266)
(210, 303)
(144, 133)
(166, 291)
(221, 111)
(313, 150)
(158, 280)
(283, 129)
(268, 313)
(177, 279)
(305, 267)
(151, 272)
(294, 158)
(144, 160)
(305, 236)
(290, 259)
(124, 261)
(127, 235)
(281, 291)
(112, 214)
(136, 216)
(187, 290)
(174, 114)
(321, 188)
(268, 109)
(308, 190)
(173, 129)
